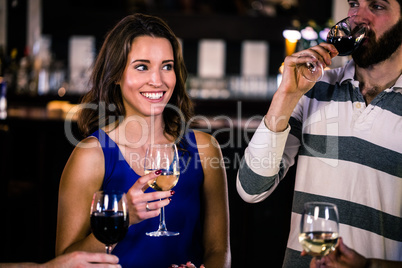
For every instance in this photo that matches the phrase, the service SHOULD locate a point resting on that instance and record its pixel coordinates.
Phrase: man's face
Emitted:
(383, 18)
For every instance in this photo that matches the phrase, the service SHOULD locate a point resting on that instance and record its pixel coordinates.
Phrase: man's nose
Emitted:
(361, 16)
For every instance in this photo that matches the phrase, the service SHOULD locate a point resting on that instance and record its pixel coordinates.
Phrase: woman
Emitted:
(138, 97)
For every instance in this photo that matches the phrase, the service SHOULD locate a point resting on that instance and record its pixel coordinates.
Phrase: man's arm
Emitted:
(261, 165)
(265, 162)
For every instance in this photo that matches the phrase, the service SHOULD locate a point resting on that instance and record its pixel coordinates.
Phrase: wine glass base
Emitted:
(162, 233)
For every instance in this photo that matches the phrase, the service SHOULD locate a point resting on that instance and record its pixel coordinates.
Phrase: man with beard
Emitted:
(346, 132)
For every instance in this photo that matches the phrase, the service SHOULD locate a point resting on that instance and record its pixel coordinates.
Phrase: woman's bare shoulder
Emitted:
(89, 145)
(85, 167)
(87, 154)
(206, 143)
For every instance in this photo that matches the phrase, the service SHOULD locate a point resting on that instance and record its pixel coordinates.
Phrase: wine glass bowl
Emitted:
(164, 182)
(319, 228)
(312, 70)
(162, 157)
(109, 217)
(346, 37)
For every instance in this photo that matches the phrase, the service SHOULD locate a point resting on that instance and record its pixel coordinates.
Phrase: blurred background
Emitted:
(233, 50)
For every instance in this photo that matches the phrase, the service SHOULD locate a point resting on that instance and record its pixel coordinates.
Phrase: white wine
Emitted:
(164, 182)
(318, 244)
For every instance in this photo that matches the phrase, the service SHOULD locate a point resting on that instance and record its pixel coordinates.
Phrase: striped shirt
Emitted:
(349, 153)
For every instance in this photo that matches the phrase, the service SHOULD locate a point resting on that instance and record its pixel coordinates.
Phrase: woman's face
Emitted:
(149, 79)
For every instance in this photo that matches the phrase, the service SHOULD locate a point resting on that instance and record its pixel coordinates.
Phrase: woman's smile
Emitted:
(153, 95)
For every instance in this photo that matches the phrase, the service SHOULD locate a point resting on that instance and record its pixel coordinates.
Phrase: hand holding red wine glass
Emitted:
(109, 217)
(345, 35)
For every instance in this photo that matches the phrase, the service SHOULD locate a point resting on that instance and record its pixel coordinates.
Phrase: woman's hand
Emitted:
(74, 259)
(187, 265)
(83, 259)
(142, 205)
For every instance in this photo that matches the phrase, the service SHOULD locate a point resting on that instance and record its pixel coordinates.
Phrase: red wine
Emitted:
(109, 227)
(345, 45)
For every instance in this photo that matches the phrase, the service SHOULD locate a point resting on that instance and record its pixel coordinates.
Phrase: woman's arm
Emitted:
(215, 198)
(82, 176)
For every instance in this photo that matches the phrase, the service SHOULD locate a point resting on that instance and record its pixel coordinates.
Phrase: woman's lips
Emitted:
(152, 95)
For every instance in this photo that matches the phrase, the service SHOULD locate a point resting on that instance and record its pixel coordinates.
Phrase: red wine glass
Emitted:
(345, 35)
(109, 217)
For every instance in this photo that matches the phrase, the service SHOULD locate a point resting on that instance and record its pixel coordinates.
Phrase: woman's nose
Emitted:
(155, 79)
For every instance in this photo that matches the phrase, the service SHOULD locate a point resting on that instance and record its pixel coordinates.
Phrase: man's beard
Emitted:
(374, 51)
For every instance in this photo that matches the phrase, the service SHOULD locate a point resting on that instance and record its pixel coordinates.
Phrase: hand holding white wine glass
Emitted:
(345, 35)
(162, 157)
(109, 217)
(319, 228)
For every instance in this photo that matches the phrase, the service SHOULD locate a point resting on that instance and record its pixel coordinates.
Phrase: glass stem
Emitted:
(162, 224)
(108, 249)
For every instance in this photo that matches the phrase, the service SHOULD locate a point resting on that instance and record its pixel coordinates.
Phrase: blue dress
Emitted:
(183, 214)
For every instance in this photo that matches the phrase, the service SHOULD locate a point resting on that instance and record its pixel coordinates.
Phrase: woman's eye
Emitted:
(168, 67)
(141, 67)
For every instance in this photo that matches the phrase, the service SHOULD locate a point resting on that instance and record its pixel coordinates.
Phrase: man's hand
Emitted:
(341, 257)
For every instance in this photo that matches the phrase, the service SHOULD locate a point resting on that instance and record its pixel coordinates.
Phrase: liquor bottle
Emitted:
(3, 87)
(3, 98)
(24, 74)
(2, 61)
(11, 70)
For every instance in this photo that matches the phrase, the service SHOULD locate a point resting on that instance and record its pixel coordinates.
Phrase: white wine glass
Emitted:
(163, 157)
(345, 35)
(319, 228)
(109, 217)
